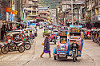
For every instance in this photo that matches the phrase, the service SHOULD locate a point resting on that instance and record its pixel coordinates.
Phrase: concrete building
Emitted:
(15, 5)
(67, 10)
(53, 15)
(43, 13)
(32, 9)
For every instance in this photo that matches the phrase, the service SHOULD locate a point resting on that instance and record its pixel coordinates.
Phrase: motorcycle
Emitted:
(13, 46)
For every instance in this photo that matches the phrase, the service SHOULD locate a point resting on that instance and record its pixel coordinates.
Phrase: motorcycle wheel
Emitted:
(74, 57)
(21, 49)
(33, 37)
(27, 46)
(36, 34)
(55, 42)
(4, 49)
(54, 57)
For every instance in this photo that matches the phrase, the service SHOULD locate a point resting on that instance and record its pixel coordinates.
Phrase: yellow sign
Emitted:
(97, 12)
(27, 16)
(14, 12)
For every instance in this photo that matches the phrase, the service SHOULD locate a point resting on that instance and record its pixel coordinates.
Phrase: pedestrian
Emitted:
(46, 47)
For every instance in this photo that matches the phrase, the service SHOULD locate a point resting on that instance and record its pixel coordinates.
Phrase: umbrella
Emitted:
(33, 24)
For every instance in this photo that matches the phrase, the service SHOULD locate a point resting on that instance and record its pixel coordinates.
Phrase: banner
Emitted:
(8, 9)
(14, 12)
(97, 12)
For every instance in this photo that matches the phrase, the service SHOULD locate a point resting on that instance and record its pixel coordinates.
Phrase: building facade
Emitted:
(43, 13)
(32, 9)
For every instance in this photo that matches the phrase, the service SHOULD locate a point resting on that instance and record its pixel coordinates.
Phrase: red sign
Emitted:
(68, 20)
(8, 9)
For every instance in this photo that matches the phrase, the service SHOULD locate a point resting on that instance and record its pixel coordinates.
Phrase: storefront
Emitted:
(6, 26)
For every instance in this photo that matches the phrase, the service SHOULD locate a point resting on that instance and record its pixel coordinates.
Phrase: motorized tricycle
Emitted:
(40, 25)
(96, 36)
(70, 45)
(87, 34)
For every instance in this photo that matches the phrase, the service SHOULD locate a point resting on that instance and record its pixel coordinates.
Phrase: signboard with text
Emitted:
(14, 12)
(8, 9)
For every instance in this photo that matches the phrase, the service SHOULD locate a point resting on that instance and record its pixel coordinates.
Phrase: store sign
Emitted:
(14, 12)
(68, 20)
(27, 16)
(8, 9)
(0, 24)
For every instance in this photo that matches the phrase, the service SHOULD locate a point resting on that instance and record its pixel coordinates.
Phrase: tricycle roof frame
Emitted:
(75, 26)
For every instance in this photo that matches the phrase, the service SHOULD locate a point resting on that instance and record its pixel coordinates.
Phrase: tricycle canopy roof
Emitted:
(13, 33)
(76, 26)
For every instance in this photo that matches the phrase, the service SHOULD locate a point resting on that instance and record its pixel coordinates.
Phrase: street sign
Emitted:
(8, 9)
(68, 20)
(27, 16)
(14, 12)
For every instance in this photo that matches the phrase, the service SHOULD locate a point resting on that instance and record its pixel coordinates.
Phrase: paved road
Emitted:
(90, 56)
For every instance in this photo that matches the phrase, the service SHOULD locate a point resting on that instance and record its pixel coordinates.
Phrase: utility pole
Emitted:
(57, 15)
(72, 10)
(11, 12)
(91, 10)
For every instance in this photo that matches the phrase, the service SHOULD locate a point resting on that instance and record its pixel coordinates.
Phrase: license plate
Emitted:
(62, 55)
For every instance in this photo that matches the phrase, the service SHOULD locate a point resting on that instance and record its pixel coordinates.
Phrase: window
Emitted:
(63, 39)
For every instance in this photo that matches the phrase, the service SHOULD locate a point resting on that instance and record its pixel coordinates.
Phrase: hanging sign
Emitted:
(8, 9)
(14, 12)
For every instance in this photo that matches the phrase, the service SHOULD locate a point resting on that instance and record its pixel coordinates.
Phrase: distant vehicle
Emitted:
(53, 36)
(40, 25)
(96, 36)
(29, 33)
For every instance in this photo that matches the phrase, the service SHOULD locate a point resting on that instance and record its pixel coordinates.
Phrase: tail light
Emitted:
(1, 46)
(57, 45)
(64, 52)
(22, 43)
(74, 42)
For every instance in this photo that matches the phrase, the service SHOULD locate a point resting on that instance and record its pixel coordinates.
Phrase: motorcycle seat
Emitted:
(17, 42)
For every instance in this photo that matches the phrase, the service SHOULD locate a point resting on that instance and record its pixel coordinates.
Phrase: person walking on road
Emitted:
(46, 47)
